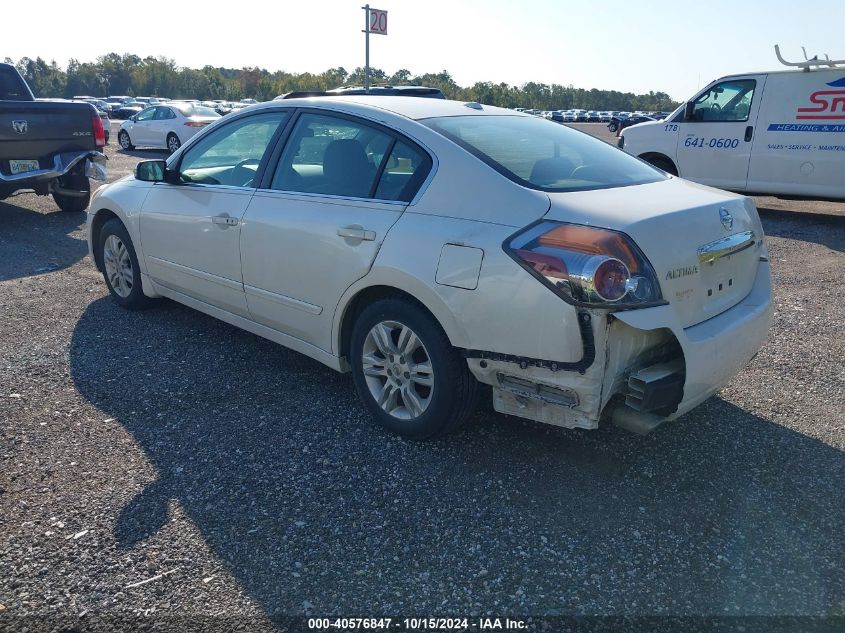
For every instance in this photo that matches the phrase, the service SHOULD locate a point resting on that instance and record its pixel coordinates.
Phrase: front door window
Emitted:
(231, 154)
(727, 101)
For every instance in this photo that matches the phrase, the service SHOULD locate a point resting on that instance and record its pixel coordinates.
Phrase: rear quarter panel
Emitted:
(509, 312)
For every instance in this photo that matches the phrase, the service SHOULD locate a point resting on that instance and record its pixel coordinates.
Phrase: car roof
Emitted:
(415, 108)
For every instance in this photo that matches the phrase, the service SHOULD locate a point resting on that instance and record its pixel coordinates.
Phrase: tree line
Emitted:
(128, 74)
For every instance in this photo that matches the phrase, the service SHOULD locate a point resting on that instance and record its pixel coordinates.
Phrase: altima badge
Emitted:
(726, 218)
(21, 127)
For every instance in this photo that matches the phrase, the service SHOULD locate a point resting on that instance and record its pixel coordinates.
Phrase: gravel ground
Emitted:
(238, 478)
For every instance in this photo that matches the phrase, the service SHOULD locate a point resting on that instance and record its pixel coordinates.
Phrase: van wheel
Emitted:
(120, 266)
(407, 373)
(74, 204)
(663, 163)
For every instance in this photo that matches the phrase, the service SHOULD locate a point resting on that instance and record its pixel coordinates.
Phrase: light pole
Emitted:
(366, 8)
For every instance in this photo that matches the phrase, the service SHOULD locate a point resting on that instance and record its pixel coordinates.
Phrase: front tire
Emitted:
(612, 127)
(407, 373)
(173, 142)
(120, 266)
(124, 140)
(74, 204)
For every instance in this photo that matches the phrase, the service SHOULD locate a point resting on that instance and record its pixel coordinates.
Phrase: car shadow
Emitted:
(820, 228)
(312, 508)
(33, 242)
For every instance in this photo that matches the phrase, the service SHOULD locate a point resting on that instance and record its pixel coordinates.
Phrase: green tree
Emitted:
(114, 73)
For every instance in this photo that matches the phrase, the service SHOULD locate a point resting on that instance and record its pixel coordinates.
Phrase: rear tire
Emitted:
(612, 127)
(173, 142)
(124, 140)
(74, 204)
(120, 266)
(663, 163)
(407, 373)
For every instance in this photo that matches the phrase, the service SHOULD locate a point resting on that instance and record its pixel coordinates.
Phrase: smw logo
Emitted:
(828, 105)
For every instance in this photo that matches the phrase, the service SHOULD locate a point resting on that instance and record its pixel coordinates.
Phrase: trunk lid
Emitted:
(704, 244)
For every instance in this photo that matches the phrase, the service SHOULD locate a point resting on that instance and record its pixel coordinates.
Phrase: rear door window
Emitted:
(342, 157)
(331, 156)
(404, 172)
(163, 114)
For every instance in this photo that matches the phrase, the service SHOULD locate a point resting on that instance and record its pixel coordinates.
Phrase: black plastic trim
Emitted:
(587, 340)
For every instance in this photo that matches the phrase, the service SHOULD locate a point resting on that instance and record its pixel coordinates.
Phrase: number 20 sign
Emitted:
(378, 22)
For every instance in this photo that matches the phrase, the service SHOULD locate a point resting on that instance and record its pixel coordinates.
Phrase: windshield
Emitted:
(544, 155)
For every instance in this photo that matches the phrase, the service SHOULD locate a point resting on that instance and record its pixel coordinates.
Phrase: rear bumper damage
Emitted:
(94, 167)
(647, 368)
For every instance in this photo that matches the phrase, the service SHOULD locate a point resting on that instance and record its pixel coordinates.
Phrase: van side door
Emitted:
(799, 143)
(717, 132)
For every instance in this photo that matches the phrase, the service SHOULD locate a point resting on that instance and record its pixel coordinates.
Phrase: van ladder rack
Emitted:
(810, 63)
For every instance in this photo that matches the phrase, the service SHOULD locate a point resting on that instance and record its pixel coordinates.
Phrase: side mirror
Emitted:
(688, 110)
(151, 170)
(133, 118)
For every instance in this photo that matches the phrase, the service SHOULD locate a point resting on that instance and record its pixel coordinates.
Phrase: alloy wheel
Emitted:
(398, 370)
(118, 265)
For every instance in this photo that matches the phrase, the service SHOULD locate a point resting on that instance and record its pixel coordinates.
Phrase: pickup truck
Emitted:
(50, 147)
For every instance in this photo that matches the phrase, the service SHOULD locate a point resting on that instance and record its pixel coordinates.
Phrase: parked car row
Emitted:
(123, 106)
(619, 123)
(576, 115)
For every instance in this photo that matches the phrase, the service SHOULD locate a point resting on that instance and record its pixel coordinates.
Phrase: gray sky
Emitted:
(629, 46)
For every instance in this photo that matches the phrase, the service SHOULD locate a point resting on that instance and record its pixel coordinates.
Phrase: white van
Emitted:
(777, 133)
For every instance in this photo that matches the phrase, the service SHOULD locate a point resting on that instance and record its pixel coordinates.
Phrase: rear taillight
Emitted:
(196, 123)
(586, 265)
(98, 130)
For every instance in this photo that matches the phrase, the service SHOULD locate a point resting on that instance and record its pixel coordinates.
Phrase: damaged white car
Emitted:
(429, 246)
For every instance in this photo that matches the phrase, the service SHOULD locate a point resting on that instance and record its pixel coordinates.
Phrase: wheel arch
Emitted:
(363, 294)
(101, 216)
(649, 157)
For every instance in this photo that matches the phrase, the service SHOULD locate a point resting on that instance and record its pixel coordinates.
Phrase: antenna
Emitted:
(810, 62)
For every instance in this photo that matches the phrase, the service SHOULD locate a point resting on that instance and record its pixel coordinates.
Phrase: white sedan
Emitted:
(164, 126)
(430, 246)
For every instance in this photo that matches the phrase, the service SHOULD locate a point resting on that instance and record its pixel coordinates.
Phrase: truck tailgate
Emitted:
(38, 130)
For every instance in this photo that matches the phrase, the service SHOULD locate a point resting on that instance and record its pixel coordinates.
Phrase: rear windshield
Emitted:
(11, 87)
(544, 155)
(189, 109)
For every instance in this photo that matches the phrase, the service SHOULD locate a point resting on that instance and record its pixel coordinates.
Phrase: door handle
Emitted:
(749, 133)
(356, 232)
(225, 220)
